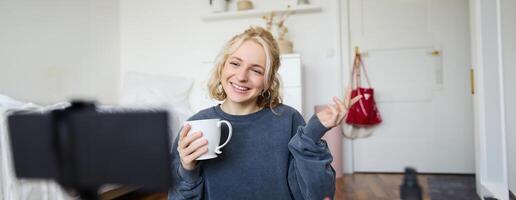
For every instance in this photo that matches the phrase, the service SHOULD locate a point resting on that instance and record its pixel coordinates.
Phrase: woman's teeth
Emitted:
(239, 87)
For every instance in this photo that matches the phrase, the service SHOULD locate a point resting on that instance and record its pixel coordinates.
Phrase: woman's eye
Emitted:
(234, 64)
(257, 71)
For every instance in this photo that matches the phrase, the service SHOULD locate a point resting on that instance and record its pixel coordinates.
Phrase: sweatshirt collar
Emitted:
(250, 116)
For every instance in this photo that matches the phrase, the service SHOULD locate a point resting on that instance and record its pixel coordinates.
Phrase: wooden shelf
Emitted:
(258, 13)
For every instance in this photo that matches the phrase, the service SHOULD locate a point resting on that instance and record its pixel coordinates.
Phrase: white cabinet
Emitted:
(290, 76)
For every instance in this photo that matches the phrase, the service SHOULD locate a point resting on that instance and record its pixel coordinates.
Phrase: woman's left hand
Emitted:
(335, 113)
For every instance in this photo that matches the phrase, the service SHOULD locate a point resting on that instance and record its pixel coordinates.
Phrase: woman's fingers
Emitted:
(342, 109)
(333, 109)
(334, 114)
(185, 142)
(190, 147)
(198, 152)
(184, 131)
(195, 145)
(348, 93)
(347, 98)
(355, 99)
(181, 144)
(340, 104)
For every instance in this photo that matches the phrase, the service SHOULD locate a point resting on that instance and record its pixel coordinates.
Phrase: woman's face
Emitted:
(243, 74)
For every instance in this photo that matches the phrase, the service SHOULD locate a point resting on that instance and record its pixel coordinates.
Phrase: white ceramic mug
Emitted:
(210, 129)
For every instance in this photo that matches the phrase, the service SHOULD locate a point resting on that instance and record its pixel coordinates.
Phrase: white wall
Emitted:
(52, 50)
(55, 49)
(169, 37)
(509, 59)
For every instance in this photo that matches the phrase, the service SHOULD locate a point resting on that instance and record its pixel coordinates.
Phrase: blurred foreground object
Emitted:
(83, 148)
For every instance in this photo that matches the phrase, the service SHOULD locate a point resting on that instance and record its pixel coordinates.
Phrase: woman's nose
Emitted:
(242, 74)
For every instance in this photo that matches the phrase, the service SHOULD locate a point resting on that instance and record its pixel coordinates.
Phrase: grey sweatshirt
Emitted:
(270, 156)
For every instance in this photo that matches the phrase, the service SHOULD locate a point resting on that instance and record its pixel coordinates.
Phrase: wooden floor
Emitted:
(358, 186)
(374, 186)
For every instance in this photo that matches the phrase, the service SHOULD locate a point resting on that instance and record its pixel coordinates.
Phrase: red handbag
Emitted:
(363, 112)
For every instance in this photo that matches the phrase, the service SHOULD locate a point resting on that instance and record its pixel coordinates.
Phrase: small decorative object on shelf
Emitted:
(244, 5)
(269, 20)
(219, 5)
(284, 44)
(302, 2)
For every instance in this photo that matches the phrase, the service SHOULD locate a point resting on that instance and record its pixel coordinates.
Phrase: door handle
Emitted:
(472, 80)
(435, 53)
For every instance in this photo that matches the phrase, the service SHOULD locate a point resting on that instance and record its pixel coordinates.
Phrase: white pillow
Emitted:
(147, 89)
(199, 96)
(8, 102)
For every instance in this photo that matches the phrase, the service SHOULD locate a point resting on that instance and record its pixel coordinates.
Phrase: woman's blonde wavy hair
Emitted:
(271, 96)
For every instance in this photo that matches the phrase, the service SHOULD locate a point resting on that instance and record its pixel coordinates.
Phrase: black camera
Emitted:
(83, 148)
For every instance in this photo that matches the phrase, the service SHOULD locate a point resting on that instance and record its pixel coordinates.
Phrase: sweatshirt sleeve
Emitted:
(310, 174)
(185, 184)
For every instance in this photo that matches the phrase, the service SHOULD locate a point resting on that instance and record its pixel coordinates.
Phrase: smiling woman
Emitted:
(273, 153)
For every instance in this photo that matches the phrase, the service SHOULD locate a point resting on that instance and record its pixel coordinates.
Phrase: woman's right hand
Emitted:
(190, 147)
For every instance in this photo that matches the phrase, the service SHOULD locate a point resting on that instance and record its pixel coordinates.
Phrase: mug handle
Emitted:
(217, 150)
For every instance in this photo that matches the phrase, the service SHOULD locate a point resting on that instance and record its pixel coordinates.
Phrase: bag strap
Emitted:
(355, 78)
(353, 75)
(365, 71)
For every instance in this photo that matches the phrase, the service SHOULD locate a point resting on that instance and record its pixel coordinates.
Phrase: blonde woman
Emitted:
(273, 153)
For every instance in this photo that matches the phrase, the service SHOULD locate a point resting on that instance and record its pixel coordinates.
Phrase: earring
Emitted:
(220, 89)
(266, 94)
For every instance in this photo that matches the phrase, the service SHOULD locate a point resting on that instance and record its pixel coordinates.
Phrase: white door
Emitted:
(417, 56)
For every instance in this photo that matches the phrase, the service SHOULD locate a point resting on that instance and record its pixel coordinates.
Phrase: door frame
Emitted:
(490, 135)
(344, 54)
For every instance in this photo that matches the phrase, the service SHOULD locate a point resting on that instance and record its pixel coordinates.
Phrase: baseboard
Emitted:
(512, 197)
